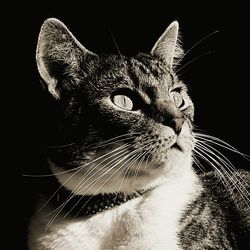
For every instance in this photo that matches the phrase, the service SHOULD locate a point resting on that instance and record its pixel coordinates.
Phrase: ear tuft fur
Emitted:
(58, 53)
(168, 47)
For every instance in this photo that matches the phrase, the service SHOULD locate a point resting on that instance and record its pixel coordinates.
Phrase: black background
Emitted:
(218, 82)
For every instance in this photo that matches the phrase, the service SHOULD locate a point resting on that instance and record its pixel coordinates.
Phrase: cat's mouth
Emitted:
(177, 146)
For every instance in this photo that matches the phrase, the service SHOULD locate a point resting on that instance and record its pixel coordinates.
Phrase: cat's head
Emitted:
(124, 123)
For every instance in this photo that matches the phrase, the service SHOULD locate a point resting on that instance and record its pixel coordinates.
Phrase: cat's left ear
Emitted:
(167, 47)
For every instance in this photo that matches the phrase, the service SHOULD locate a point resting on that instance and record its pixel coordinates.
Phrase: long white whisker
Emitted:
(101, 176)
(229, 169)
(79, 167)
(110, 176)
(222, 158)
(191, 61)
(59, 208)
(80, 184)
(68, 179)
(113, 141)
(201, 40)
(102, 184)
(199, 153)
(206, 152)
(141, 157)
(132, 160)
(236, 179)
(84, 180)
(198, 164)
(127, 155)
(92, 184)
(146, 162)
(219, 142)
(124, 151)
(116, 46)
(67, 171)
(219, 155)
(227, 173)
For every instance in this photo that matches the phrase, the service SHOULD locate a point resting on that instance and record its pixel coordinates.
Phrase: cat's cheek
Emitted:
(186, 138)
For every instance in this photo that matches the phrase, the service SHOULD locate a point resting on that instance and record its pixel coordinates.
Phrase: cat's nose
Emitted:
(176, 124)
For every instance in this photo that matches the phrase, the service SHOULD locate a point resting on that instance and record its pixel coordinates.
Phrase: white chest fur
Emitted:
(148, 222)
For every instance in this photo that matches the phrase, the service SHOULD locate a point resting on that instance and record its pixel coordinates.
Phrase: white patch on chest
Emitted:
(147, 222)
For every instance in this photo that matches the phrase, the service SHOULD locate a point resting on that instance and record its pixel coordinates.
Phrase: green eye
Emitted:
(123, 101)
(177, 98)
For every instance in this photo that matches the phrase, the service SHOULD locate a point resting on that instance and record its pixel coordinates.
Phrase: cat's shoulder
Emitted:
(231, 190)
(229, 182)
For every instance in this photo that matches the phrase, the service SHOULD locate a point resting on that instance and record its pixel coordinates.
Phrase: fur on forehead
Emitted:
(62, 61)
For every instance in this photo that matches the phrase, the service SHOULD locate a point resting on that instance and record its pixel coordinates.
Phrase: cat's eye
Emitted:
(123, 101)
(177, 98)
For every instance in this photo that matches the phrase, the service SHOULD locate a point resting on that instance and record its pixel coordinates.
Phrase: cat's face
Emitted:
(126, 122)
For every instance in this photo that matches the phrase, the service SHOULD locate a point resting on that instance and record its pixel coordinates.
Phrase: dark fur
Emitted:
(217, 219)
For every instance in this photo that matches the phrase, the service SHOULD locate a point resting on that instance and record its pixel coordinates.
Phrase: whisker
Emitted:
(207, 141)
(118, 155)
(146, 162)
(221, 176)
(116, 46)
(111, 152)
(219, 142)
(79, 186)
(225, 167)
(76, 168)
(102, 184)
(111, 176)
(132, 160)
(141, 157)
(214, 151)
(229, 168)
(93, 182)
(132, 154)
(137, 156)
(197, 43)
(198, 164)
(193, 60)
(121, 136)
(60, 208)
(100, 145)
(225, 161)
(206, 152)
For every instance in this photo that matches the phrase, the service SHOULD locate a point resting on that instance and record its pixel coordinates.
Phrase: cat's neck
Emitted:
(149, 220)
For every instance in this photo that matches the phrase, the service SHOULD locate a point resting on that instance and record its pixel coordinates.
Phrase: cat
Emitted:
(121, 171)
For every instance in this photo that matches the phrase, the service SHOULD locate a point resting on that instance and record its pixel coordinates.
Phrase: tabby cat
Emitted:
(121, 170)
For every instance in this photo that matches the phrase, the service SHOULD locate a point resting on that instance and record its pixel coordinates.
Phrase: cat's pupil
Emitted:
(123, 101)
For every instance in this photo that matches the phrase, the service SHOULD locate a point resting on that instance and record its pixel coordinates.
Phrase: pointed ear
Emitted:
(58, 54)
(167, 47)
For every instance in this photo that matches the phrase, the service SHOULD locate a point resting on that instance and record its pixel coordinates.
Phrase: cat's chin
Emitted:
(144, 175)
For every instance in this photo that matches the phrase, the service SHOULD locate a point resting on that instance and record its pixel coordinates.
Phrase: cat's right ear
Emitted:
(58, 55)
(168, 47)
